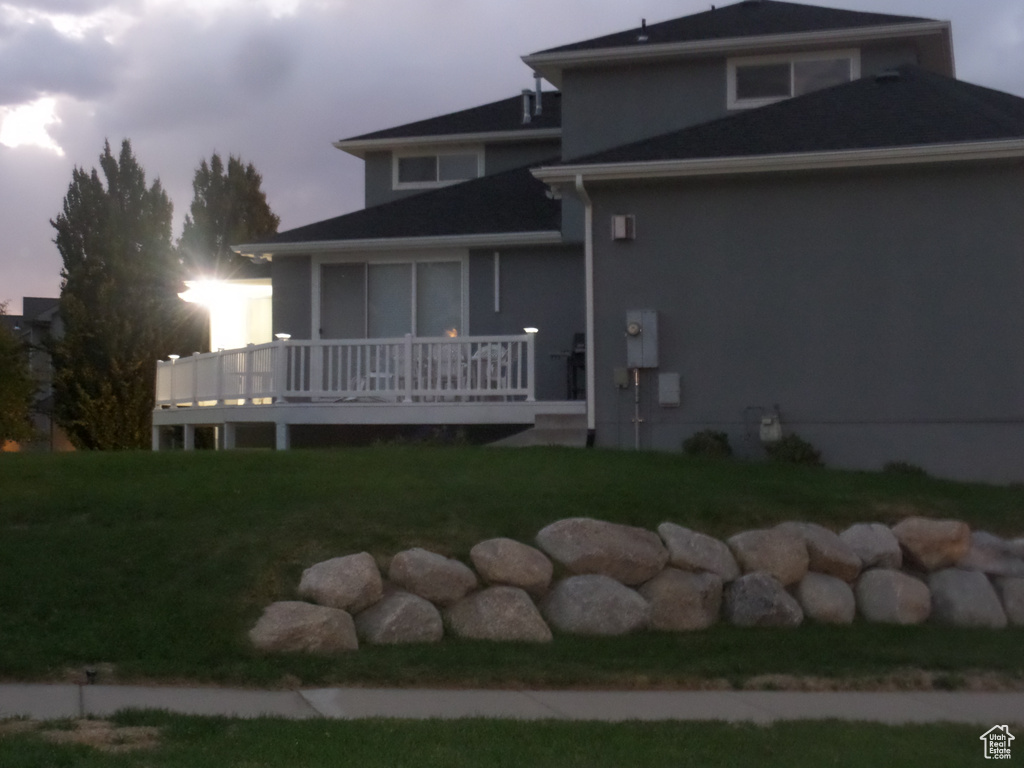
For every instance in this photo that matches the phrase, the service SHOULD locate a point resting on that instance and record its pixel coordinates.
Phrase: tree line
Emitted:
(121, 276)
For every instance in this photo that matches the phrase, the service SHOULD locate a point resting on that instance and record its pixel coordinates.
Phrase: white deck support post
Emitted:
(220, 376)
(283, 436)
(190, 437)
(228, 432)
(195, 379)
(407, 368)
(156, 438)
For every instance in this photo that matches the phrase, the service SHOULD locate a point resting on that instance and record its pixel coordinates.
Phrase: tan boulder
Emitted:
(296, 627)
(583, 545)
(400, 618)
(433, 577)
(682, 601)
(775, 551)
(692, 551)
(933, 544)
(351, 583)
(509, 562)
(826, 552)
(498, 613)
(892, 597)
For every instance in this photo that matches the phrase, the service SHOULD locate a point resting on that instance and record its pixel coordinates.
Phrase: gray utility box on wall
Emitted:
(642, 338)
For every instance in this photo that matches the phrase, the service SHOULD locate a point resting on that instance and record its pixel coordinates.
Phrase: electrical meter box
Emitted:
(642, 338)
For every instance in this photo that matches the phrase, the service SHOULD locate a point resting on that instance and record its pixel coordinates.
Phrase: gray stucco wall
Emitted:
(540, 287)
(292, 280)
(608, 107)
(505, 157)
(881, 311)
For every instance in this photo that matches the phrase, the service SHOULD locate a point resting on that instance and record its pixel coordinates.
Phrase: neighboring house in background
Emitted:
(764, 214)
(40, 319)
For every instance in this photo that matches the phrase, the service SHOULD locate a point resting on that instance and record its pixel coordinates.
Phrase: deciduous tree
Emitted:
(118, 302)
(228, 208)
(16, 387)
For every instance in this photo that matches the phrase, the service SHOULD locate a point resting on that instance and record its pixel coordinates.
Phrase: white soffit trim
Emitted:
(551, 64)
(359, 147)
(496, 240)
(803, 161)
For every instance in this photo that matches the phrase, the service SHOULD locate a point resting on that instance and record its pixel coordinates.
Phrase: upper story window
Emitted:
(436, 169)
(759, 80)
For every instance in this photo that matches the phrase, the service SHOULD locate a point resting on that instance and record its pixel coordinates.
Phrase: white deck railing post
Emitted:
(221, 357)
(407, 368)
(195, 379)
(247, 377)
(280, 366)
(531, 369)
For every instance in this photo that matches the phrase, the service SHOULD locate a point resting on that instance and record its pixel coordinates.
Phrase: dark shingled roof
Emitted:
(504, 115)
(750, 18)
(508, 202)
(907, 107)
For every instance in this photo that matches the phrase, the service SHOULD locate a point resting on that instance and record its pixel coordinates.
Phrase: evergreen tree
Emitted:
(228, 208)
(16, 387)
(118, 302)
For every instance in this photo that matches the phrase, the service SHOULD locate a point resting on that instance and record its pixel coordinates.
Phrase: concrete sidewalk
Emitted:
(47, 702)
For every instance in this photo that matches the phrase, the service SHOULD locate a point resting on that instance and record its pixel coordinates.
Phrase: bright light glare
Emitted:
(240, 310)
(25, 126)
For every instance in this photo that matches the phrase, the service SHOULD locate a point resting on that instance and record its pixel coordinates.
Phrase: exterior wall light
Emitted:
(282, 336)
(530, 330)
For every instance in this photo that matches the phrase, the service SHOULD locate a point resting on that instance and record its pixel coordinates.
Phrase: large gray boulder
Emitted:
(498, 613)
(965, 599)
(759, 600)
(891, 597)
(1011, 592)
(992, 555)
(295, 627)
(433, 577)
(692, 551)
(874, 544)
(586, 546)
(399, 618)
(827, 553)
(351, 583)
(506, 561)
(775, 551)
(595, 605)
(682, 601)
(826, 599)
(932, 544)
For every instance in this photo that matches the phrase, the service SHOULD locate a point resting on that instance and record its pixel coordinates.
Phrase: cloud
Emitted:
(36, 59)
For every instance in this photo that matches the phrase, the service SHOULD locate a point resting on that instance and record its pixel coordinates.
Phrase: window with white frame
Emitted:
(760, 80)
(421, 170)
(376, 300)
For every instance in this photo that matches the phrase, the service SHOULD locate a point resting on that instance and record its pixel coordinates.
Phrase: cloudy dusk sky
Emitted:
(276, 81)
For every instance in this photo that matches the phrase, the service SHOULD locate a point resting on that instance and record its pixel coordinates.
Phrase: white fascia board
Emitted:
(551, 64)
(359, 148)
(802, 161)
(496, 240)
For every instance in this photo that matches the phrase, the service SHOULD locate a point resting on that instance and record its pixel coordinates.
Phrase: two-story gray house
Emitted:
(763, 218)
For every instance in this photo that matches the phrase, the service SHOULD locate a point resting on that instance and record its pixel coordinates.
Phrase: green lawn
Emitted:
(185, 742)
(157, 564)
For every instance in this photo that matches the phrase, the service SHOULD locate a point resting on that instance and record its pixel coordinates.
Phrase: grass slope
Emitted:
(213, 742)
(158, 563)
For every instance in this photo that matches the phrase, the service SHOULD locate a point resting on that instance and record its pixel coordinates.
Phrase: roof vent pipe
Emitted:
(537, 87)
(642, 37)
(527, 111)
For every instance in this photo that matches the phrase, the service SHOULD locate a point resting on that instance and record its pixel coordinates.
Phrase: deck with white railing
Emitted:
(401, 381)
(406, 370)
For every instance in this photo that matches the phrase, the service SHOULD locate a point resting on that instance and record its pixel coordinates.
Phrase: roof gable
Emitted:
(748, 18)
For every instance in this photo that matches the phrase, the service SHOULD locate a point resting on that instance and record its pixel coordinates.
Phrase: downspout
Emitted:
(588, 260)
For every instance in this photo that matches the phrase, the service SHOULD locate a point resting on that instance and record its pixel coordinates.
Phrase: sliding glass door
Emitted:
(360, 300)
